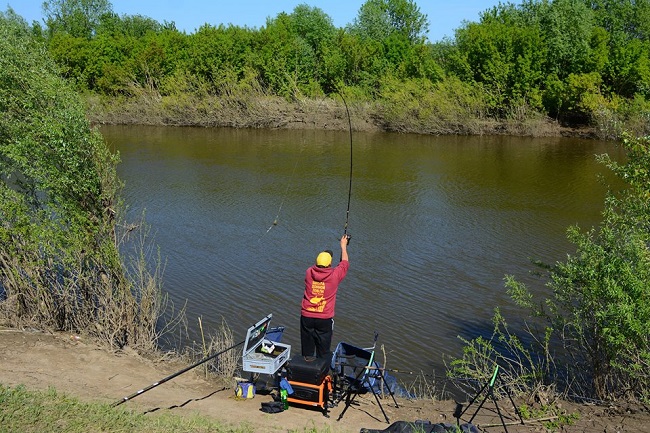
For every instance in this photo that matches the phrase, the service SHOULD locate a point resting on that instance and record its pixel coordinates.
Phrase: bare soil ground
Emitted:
(89, 372)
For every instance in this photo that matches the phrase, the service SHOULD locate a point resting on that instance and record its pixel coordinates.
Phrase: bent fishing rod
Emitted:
(171, 376)
(347, 212)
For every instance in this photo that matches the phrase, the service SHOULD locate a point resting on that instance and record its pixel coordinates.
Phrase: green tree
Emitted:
(59, 207)
(360, 58)
(623, 18)
(72, 55)
(393, 33)
(136, 25)
(628, 70)
(506, 53)
(108, 70)
(79, 18)
(315, 28)
(296, 53)
(219, 55)
(567, 27)
(381, 19)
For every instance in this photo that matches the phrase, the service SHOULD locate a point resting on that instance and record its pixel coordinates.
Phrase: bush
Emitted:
(59, 208)
(598, 312)
(418, 105)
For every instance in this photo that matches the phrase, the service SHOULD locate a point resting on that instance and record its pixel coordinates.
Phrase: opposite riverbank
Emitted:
(326, 114)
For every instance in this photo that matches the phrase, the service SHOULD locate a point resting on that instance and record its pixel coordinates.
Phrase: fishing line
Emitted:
(347, 213)
(286, 193)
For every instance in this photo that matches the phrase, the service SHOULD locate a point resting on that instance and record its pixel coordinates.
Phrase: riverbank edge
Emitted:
(270, 112)
(89, 371)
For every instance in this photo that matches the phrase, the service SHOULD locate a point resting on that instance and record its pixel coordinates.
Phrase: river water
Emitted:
(436, 224)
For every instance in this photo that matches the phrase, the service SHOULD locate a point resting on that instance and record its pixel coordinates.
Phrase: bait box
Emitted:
(256, 361)
(308, 369)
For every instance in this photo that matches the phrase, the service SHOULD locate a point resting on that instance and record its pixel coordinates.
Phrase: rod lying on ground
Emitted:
(171, 376)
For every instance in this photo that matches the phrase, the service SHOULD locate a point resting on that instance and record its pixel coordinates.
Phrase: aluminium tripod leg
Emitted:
(390, 391)
(479, 407)
(471, 402)
(349, 399)
(490, 386)
(491, 394)
(521, 418)
(365, 380)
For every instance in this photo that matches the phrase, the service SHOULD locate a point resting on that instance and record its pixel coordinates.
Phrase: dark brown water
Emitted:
(436, 224)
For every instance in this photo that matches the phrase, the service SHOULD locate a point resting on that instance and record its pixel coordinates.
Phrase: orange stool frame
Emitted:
(306, 390)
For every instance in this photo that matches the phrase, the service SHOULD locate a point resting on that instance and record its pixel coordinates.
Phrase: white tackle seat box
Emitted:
(254, 360)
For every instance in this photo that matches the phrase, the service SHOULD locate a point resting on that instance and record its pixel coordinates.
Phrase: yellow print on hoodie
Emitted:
(318, 293)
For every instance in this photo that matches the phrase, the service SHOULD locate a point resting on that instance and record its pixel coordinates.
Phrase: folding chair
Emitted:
(356, 372)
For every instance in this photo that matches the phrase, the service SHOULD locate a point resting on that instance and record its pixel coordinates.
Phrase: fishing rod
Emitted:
(347, 212)
(391, 370)
(416, 373)
(171, 376)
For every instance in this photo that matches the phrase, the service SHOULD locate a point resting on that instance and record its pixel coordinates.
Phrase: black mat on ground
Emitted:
(424, 427)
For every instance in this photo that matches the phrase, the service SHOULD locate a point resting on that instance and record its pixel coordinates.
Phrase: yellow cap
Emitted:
(324, 259)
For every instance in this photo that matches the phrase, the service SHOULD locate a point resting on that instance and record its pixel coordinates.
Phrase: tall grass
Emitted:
(86, 297)
(420, 106)
(223, 368)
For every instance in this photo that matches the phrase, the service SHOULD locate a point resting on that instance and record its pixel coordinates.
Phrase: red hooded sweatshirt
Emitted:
(321, 285)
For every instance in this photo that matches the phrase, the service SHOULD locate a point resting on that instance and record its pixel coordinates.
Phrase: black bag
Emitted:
(272, 407)
(421, 426)
(308, 369)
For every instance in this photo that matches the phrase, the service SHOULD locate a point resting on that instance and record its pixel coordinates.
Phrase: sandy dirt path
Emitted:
(85, 370)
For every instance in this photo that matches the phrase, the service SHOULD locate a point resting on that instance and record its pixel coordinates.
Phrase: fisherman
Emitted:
(319, 299)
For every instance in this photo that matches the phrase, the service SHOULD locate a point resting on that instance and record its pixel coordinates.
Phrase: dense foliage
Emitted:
(59, 206)
(580, 62)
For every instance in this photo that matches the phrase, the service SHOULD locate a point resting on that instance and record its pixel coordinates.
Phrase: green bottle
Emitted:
(283, 398)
